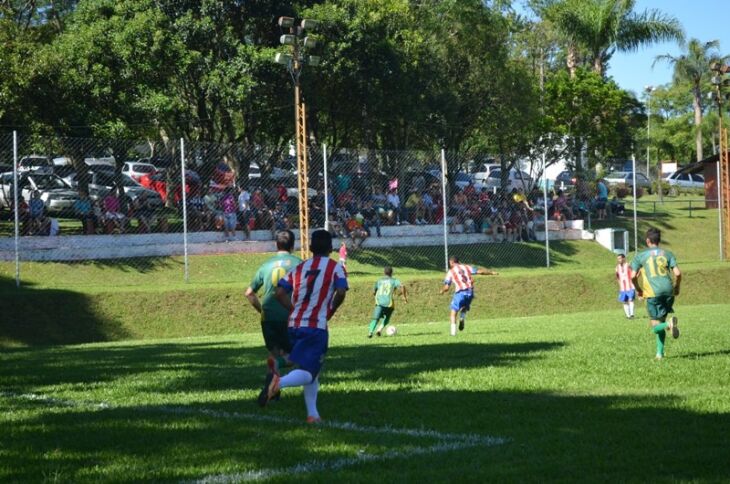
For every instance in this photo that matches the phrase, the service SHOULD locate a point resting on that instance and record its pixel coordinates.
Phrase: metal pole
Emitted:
(636, 223)
(719, 211)
(326, 191)
(184, 210)
(648, 128)
(15, 209)
(445, 209)
(545, 206)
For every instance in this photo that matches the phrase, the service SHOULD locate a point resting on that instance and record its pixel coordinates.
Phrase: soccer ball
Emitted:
(391, 330)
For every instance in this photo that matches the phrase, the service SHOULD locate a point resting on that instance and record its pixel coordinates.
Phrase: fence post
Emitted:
(15, 209)
(690, 209)
(719, 211)
(545, 207)
(636, 222)
(184, 209)
(445, 209)
(326, 190)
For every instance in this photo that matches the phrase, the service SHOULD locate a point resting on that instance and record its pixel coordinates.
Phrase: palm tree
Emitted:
(602, 27)
(692, 68)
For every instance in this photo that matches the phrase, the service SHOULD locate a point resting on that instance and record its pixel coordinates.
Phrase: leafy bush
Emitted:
(665, 187)
(622, 192)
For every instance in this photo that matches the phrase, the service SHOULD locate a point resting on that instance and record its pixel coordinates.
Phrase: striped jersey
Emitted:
(460, 276)
(312, 287)
(624, 275)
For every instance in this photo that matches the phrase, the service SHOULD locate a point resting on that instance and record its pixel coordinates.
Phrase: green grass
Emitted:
(577, 396)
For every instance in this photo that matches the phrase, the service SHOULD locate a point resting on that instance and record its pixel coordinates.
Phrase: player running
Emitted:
(461, 276)
(311, 292)
(384, 290)
(274, 316)
(653, 269)
(627, 291)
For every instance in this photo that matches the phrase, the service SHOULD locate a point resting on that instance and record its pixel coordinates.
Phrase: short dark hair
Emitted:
(654, 235)
(454, 259)
(388, 271)
(321, 243)
(620, 254)
(285, 240)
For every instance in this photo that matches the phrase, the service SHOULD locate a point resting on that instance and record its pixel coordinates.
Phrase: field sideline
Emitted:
(552, 397)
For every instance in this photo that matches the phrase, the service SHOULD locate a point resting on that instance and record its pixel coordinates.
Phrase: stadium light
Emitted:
(723, 204)
(293, 37)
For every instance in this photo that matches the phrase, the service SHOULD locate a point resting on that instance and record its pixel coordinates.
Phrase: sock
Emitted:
(295, 378)
(462, 316)
(310, 398)
(660, 337)
(631, 308)
(626, 310)
(373, 324)
(453, 329)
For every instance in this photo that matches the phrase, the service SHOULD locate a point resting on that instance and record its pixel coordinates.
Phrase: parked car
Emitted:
(515, 179)
(137, 169)
(101, 183)
(626, 178)
(462, 180)
(158, 183)
(565, 180)
(686, 180)
(482, 173)
(37, 163)
(57, 194)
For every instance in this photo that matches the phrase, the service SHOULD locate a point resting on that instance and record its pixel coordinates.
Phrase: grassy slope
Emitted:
(579, 400)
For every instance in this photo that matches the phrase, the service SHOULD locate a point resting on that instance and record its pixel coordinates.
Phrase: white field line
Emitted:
(446, 441)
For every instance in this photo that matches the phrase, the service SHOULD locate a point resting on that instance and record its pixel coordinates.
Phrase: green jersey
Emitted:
(384, 290)
(655, 278)
(268, 277)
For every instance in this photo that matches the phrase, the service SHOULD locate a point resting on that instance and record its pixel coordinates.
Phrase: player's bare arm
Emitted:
(337, 299)
(635, 282)
(253, 299)
(284, 299)
(444, 289)
(405, 294)
(677, 279)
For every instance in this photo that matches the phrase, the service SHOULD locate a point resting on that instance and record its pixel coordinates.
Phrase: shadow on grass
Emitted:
(133, 264)
(32, 316)
(497, 255)
(227, 366)
(552, 438)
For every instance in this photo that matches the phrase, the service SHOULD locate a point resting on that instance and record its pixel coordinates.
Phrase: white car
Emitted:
(686, 180)
(57, 195)
(481, 174)
(35, 163)
(516, 179)
(138, 169)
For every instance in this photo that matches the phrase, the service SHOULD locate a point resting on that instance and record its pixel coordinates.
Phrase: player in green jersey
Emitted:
(653, 269)
(384, 290)
(274, 317)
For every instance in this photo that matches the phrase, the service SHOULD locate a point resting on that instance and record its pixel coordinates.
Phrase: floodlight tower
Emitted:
(721, 83)
(294, 62)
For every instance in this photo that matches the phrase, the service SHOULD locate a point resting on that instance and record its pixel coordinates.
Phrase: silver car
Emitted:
(57, 195)
(626, 179)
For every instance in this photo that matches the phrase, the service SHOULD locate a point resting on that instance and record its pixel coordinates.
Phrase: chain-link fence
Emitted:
(158, 210)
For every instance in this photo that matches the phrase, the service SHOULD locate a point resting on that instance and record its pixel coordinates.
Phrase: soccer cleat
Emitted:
(673, 327)
(272, 365)
(270, 390)
(377, 333)
(370, 335)
(659, 357)
(313, 420)
(461, 324)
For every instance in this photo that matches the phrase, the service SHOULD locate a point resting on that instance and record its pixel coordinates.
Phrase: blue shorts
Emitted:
(462, 300)
(309, 346)
(626, 296)
(229, 220)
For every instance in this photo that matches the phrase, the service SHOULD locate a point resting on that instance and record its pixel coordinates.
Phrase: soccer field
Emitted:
(575, 397)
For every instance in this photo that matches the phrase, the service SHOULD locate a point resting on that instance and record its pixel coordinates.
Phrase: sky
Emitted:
(702, 19)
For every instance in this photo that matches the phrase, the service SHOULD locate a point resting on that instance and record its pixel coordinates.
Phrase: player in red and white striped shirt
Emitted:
(312, 292)
(627, 291)
(460, 275)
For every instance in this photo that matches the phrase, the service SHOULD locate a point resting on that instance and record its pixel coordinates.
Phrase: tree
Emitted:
(692, 69)
(603, 27)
